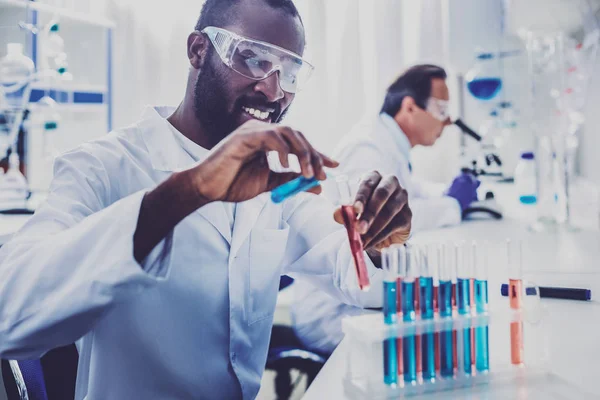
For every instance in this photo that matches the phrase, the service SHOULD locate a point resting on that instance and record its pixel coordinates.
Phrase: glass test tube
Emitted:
(390, 266)
(427, 312)
(401, 257)
(409, 274)
(436, 310)
(445, 305)
(482, 353)
(418, 316)
(451, 256)
(515, 295)
(473, 312)
(293, 187)
(463, 301)
(356, 245)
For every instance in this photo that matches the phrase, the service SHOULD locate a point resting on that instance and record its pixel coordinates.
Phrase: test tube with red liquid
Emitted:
(356, 246)
(515, 295)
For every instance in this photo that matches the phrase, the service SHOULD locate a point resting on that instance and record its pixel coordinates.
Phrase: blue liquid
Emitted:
(390, 358)
(482, 351)
(446, 344)
(485, 88)
(390, 308)
(293, 187)
(427, 341)
(463, 299)
(390, 362)
(528, 199)
(408, 343)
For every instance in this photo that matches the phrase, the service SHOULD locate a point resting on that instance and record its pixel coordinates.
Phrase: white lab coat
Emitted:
(194, 320)
(374, 144)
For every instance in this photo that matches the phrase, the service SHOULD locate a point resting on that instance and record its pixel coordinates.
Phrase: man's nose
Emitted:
(270, 87)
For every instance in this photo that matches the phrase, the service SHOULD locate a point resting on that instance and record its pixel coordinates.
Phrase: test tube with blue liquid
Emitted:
(292, 188)
(482, 352)
(427, 312)
(390, 266)
(445, 306)
(463, 300)
(409, 274)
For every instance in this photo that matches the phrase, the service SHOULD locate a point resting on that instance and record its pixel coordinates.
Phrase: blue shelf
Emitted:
(69, 97)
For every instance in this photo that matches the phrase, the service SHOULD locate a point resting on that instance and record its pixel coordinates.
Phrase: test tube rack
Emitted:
(368, 357)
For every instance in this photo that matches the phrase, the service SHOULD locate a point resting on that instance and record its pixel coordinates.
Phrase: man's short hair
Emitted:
(415, 82)
(219, 12)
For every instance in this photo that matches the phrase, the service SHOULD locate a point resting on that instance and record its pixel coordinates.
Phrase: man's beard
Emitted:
(211, 103)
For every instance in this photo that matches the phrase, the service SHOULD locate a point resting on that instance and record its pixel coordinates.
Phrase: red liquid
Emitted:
(472, 297)
(418, 337)
(399, 341)
(436, 335)
(356, 247)
(516, 328)
(454, 336)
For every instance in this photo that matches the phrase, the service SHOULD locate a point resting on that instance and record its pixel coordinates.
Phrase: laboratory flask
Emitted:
(484, 80)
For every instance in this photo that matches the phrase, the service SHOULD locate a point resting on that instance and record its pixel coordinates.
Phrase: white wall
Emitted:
(357, 46)
(590, 140)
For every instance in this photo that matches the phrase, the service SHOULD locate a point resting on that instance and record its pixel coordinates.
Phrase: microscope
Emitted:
(485, 162)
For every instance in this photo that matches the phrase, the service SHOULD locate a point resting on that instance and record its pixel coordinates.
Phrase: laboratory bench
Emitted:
(564, 257)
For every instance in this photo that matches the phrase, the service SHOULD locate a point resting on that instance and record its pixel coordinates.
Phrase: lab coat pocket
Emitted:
(267, 248)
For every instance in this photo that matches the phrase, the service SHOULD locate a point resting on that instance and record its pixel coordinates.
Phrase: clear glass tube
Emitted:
(445, 302)
(410, 273)
(426, 303)
(391, 267)
(480, 262)
(463, 300)
(356, 246)
(515, 295)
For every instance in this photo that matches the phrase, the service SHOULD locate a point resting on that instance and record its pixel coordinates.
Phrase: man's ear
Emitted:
(406, 108)
(408, 104)
(197, 49)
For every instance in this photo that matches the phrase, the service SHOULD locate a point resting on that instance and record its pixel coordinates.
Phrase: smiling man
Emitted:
(158, 250)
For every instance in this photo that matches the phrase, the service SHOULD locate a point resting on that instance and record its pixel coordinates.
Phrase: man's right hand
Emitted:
(237, 168)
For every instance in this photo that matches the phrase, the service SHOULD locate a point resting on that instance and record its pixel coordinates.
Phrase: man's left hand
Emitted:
(384, 214)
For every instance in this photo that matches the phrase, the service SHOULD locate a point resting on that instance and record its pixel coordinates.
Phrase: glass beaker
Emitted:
(484, 80)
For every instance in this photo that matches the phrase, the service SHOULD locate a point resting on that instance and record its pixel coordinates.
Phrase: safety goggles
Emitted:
(258, 60)
(438, 108)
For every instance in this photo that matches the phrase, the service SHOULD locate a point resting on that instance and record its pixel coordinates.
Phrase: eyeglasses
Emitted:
(257, 60)
(438, 108)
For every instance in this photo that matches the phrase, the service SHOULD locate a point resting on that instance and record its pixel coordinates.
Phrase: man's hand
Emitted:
(237, 169)
(385, 217)
(464, 190)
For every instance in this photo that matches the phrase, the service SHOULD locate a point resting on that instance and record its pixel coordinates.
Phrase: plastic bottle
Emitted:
(14, 185)
(525, 178)
(16, 71)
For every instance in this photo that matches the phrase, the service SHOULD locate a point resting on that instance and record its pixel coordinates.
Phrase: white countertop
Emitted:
(562, 258)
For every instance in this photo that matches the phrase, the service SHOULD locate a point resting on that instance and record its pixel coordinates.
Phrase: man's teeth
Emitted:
(263, 115)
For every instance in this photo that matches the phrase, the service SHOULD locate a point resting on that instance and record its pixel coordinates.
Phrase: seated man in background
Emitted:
(414, 112)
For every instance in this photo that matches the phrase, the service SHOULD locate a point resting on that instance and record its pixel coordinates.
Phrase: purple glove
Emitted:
(464, 190)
